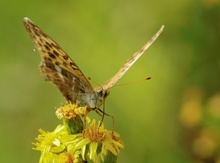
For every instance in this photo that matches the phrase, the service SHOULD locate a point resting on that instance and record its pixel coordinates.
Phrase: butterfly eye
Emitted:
(106, 93)
(102, 93)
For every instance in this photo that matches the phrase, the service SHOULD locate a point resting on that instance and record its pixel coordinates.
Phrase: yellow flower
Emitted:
(97, 143)
(65, 158)
(70, 110)
(70, 114)
(72, 142)
(51, 144)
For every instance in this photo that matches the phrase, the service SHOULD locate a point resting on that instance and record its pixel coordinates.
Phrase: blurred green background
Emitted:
(172, 118)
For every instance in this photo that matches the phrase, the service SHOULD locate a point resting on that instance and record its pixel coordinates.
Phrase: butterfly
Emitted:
(57, 67)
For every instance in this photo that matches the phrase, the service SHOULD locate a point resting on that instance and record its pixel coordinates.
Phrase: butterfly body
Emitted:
(57, 67)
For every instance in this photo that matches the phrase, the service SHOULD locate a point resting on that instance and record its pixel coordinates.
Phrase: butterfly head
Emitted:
(101, 94)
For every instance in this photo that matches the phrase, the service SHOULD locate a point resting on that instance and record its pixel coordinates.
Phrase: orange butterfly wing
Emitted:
(56, 66)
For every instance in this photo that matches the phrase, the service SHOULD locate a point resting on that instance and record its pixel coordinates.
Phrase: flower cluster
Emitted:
(70, 110)
(72, 142)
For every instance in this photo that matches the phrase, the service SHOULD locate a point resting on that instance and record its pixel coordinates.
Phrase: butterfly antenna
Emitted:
(147, 78)
(94, 82)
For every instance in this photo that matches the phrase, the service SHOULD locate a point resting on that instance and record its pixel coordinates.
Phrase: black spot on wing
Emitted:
(39, 44)
(44, 34)
(65, 57)
(41, 40)
(65, 64)
(36, 33)
(64, 73)
(55, 46)
(48, 44)
(46, 47)
(50, 66)
(52, 55)
(67, 74)
(73, 66)
(47, 59)
(55, 52)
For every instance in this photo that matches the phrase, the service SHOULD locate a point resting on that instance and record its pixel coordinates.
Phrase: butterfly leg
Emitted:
(103, 113)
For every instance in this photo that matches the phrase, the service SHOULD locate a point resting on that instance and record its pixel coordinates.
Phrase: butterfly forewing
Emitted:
(130, 62)
(56, 66)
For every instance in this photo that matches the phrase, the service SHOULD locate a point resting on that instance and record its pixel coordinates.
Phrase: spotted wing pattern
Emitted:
(56, 66)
